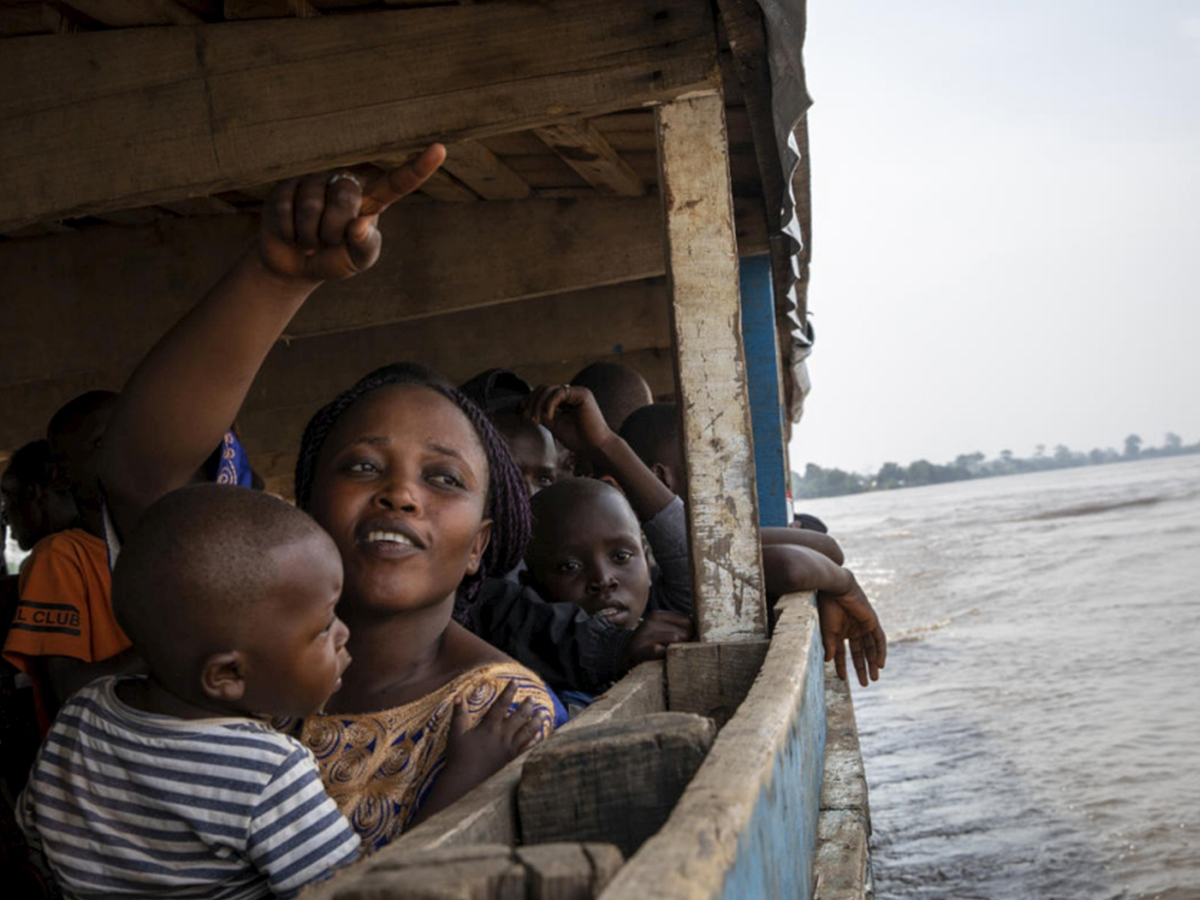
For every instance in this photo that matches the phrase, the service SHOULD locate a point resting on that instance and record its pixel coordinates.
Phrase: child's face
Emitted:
(533, 450)
(401, 486)
(297, 646)
(595, 559)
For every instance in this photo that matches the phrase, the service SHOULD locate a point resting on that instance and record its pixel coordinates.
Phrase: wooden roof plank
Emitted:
(586, 151)
(441, 186)
(481, 170)
(130, 13)
(269, 9)
(136, 117)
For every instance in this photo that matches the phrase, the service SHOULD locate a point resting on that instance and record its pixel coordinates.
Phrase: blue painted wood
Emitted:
(777, 853)
(762, 375)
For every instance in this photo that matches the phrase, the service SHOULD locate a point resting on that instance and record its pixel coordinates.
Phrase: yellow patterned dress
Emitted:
(378, 767)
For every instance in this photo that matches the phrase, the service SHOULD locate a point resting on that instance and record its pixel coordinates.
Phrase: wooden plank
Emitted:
(615, 782)
(131, 218)
(712, 679)
(703, 270)
(767, 410)
(586, 151)
(486, 872)
(441, 186)
(130, 13)
(844, 826)
(29, 18)
(568, 871)
(201, 206)
(482, 171)
(269, 9)
(137, 117)
(438, 258)
(746, 825)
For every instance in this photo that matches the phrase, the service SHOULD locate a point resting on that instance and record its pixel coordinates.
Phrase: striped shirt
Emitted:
(131, 804)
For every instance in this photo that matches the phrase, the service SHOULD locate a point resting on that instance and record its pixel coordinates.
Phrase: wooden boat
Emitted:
(617, 187)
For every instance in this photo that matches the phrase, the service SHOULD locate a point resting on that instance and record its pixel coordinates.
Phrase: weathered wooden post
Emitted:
(702, 265)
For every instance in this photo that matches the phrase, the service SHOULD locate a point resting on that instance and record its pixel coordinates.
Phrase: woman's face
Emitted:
(401, 485)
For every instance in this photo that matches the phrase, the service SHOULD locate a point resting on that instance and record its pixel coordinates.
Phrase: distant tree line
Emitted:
(819, 482)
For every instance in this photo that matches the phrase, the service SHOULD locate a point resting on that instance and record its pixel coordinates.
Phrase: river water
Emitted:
(1036, 733)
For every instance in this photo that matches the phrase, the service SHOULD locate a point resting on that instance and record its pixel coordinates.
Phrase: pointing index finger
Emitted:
(401, 182)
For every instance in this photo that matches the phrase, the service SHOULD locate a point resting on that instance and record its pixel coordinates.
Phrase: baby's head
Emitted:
(229, 595)
(587, 549)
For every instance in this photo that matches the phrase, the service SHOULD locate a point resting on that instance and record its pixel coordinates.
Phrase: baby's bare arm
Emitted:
(475, 754)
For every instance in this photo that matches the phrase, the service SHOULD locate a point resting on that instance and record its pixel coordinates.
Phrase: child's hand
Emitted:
(497, 738)
(571, 414)
(850, 617)
(323, 227)
(650, 639)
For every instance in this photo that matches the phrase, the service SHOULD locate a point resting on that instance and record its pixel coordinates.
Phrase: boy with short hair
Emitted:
(169, 785)
(587, 549)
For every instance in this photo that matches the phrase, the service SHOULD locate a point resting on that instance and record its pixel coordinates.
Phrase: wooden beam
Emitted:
(201, 206)
(130, 13)
(703, 271)
(137, 282)
(269, 9)
(441, 186)
(136, 117)
(438, 258)
(586, 151)
(482, 171)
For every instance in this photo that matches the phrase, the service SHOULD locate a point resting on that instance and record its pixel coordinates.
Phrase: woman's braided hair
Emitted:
(506, 504)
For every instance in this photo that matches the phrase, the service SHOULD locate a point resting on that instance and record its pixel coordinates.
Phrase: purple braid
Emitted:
(507, 504)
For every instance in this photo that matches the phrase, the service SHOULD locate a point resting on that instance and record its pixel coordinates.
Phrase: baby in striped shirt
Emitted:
(171, 784)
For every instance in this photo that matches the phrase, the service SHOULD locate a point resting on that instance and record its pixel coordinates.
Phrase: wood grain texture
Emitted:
(440, 186)
(483, 872)
(134, 117)
(712, 679)
(585, 150)
(269, 9)
(739, 830)
(844, 826)
(130, 13)
(568, 871)
(438, 258)
(482, 171)
(703, 272)
(615, 782)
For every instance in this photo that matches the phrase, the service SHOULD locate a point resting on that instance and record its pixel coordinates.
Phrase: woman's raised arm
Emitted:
(187, 391)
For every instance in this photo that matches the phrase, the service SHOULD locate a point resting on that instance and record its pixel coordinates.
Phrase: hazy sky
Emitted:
(1006, 227)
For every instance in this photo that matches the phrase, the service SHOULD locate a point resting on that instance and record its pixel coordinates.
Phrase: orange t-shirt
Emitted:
(66, 606)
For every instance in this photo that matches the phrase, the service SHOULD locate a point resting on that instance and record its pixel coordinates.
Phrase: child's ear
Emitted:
(666, 476)
(482, 539)
(223, 676)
